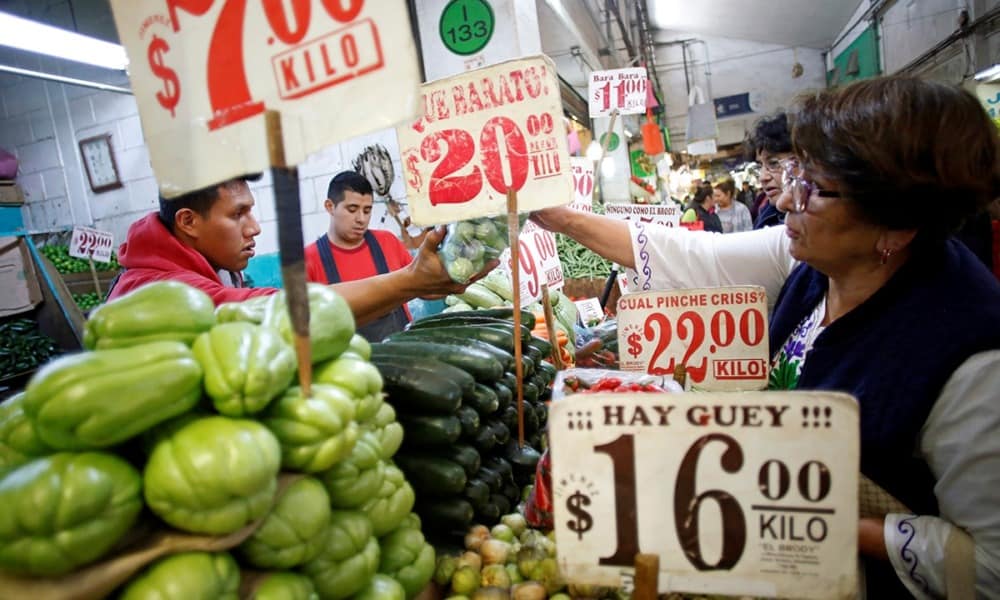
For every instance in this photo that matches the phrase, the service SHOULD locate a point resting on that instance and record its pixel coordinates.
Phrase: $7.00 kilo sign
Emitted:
(482, 133)
(748, 494)
(718, 334)
(205, 71)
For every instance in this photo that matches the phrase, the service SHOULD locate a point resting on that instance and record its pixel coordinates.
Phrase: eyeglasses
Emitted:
(773, 166)
(802, 189)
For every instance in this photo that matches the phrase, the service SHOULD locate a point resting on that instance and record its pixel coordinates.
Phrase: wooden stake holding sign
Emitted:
(514, 234)
(551, 327)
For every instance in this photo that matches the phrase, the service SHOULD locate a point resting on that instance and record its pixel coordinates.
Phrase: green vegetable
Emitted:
(64, 511)
(286, 586)
(479, 364)
(498, 282)
(159, 311)
(477, 493)
(213, 475)
(484, 400)
(331, 322)
(469, 419)
(360, 346)
(391, 503)
(250, 310)
(357, 377)
(187, 576)
(407, 558)
(292, 533)
(316, 432)
(432, 475)
(506, 313)
(18, 440)
(382, 587)
(388, 431)
(433, 335)
(451, 515)
(461, 269)
(479, 296)
(100, 398)
(427, 431)
(23, 347)
(349, 558)
(355, 480)
(464, 455)
(445, 569)
(465, 581)
(246, 366)
(411, 521)
(413, 389)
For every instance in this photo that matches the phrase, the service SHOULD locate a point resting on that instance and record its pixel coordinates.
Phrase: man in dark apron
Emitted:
(350, 251)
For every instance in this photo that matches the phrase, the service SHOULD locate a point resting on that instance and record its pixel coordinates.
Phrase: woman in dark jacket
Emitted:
(698, 211)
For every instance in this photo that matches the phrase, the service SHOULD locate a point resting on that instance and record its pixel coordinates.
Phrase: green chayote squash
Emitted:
(18, 441)
(382, 587)
(213, 475)
(407, 558)
(245, 365)
(65, 510)
(360, 346)
(187, 576)
(286, 586)
(391, 503)
(348, 559)
(250, 310)
(388, 431)
(292, 533)
(331, 322)
(356, 479)
(159, 311)
(315, 433)
(100, 398)
(357, 377)
(411, 521)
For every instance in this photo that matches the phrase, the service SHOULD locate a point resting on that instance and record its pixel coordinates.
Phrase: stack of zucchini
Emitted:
(451, 379)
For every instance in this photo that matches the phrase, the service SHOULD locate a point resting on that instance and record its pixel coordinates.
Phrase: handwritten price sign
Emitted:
(618, 89)
(718, 334)
(668, 215)
(583, 184)
(482, 133)
(91, 243)
(750, 495)
(539, 263)
(205, 71)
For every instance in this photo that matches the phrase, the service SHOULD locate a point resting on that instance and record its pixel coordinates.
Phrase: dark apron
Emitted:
(381, 328)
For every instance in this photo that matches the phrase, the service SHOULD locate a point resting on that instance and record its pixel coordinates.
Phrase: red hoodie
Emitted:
(151, 253)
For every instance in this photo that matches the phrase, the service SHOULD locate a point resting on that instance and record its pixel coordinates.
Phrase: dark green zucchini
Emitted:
(528, 368)
(532, 352)
(500, 337)
(481, 365)
(547, 369)
(477, 493)
(500, 465)
(504, 395)
(488, 515)
(522, 459)
(418, 390)
(469, 419)
(423, 431)
(451, 515)
(435, 336)
(501, 502)
(484, 400)
(483, 440)
(509, 379)
(542, 345)
(464, 455)
(530, 392)
(511, 492)
(490, 478)
(500, 432)
(432, 475)
(509, 417)
(506, 314)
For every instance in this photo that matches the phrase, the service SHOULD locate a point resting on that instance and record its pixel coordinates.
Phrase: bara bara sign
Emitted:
(205, 72)
(481, 134)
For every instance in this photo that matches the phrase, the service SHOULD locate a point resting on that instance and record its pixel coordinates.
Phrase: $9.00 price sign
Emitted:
(204, 71)
(718, 334)
(621, 89)
(482, 133)
(750, 494)
(583, 184)
(91, 243)
(539, 263)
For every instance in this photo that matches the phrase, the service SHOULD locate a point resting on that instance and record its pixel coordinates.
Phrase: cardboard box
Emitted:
(10, 194)
(19, 287)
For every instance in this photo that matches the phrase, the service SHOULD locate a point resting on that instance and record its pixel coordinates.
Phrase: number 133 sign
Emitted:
(482, 133)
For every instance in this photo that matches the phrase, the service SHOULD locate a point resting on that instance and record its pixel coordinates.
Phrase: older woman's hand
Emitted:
(555, 219)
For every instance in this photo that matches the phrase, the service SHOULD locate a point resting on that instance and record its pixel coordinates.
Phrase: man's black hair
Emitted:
(347, 181)
(200, 201)
(770, 133)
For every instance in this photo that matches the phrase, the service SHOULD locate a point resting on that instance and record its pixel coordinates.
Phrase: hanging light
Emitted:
(32, 36)
(594, 151)
(608, 167)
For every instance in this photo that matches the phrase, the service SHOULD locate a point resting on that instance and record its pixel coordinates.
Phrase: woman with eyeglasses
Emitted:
(872, 296)
(769, 143)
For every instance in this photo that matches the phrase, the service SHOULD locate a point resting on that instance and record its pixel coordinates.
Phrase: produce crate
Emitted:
(584, 288)
(82, 283)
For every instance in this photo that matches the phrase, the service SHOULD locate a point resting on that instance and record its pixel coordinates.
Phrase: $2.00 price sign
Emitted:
(539, 263)
(718, 334)
(204, 72)
(482, 133)
(750, 494)
(91, 243)
(623, 90)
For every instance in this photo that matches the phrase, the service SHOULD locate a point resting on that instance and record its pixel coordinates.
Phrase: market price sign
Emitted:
(623, 90)
(745, 494)
(590, 311)
(583, 184)
(204, 72)
(87, 242)
(718, 334)
(539, 263)
(667, 215)
(482, 133)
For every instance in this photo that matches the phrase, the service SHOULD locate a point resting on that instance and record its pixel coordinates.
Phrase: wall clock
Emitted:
(99, 160)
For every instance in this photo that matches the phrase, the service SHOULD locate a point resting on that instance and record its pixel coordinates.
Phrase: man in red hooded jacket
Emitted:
(206, 238)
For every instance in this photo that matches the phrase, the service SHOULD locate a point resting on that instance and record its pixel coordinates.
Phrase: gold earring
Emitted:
(886, 253)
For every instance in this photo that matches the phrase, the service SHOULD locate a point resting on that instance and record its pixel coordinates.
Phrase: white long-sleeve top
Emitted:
(960, 441)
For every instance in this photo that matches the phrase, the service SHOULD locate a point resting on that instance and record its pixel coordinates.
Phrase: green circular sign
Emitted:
(613, 144)
(466, 26)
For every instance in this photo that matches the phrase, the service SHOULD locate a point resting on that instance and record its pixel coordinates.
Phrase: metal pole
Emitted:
(67, 80)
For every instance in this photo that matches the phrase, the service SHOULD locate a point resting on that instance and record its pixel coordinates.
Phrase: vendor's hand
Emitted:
(430, 279)
(554, 219)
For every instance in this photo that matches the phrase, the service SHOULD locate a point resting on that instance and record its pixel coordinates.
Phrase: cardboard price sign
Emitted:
(204, 72)
(718, 334)
(91, 243)
(482, 133)
(749, 495)
(583, 184)
(668, 215)
(590, 311)
(539, 263)
(623, 90)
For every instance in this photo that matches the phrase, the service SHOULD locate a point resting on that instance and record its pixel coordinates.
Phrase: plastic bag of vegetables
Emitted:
(469, 245)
